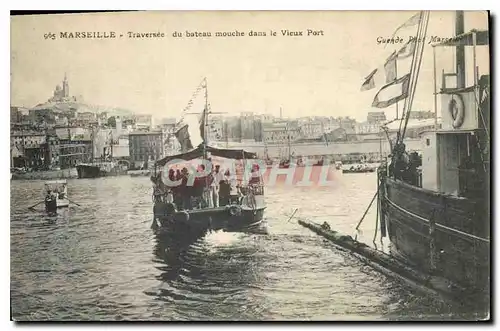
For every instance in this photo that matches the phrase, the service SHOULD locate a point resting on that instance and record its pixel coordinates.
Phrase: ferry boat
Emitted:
(194, 216)
(435, 208)
(56, 195)
(103, 168)
(99, 169)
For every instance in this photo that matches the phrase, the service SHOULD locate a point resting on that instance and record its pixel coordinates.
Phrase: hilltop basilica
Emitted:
(62, 94)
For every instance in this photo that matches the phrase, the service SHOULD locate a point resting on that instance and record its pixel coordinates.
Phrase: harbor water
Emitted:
(101, 261)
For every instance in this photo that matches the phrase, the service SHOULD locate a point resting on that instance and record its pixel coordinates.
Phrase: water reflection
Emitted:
(210, 278)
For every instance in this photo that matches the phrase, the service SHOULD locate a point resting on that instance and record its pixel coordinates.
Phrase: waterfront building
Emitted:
(421, 114)
(143, 122)
(145, 146)
(75, 146)
(87, 118)
(311, 129)
(232, 127)
(280, 133)
(247, 125)
(27, 149)
(375, 117)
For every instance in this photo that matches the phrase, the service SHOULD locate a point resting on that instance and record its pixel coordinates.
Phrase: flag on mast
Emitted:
(407, 50)
(390, 68)
(203, 132)
(392, 93)
(412, 21)
(381, 76)
(184, 139)
(369, 81)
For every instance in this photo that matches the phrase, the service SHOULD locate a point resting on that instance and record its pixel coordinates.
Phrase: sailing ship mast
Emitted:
(205, 120)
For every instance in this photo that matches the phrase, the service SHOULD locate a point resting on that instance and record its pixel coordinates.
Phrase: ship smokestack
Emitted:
(460, 51)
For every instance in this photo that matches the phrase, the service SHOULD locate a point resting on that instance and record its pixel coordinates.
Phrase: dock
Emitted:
(384, 263)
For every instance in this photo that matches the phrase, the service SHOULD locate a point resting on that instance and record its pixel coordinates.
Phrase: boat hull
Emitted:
(90, 171)
(54, 204)
(197, 222)
(441, 234)
(87, 171)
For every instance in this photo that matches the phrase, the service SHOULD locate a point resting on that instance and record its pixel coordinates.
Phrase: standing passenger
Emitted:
(218, 177)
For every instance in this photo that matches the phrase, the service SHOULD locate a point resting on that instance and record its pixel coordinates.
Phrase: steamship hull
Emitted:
(442, 235)
(95, 171)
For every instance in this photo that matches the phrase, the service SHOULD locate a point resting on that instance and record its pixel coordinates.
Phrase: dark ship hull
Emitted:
(88, 171)
(94, 171)
(443, 235)
(197, 222)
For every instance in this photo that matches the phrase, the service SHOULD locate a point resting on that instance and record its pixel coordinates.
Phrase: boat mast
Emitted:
(435, 90)
(92, 136)
(460, 49)
(226, 135)
(111, 145)
(205, 120)
(24, 146)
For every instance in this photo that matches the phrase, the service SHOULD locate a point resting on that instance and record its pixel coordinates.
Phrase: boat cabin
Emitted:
(187, 180)
(456, 157)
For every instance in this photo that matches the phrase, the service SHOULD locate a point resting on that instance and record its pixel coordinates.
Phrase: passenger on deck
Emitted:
(255, 176)
(178, 191)
(234, 191)
(218, 177)
(171, 187)
(225, 189)
(200, 188)
(186, 191)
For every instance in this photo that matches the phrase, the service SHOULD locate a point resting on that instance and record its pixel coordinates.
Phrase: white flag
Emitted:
(392, 93)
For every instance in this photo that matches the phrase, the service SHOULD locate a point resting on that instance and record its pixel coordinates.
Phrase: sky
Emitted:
(304, 75)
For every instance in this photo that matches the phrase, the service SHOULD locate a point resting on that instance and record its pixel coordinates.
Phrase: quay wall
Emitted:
(47, 175)
(372, 147)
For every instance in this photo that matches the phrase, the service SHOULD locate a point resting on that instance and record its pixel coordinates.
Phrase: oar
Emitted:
(363, 217)
(292, 215)
(36, 204)
(74, 202)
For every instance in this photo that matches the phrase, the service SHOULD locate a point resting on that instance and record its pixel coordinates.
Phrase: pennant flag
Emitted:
(390, 68)
(392, 93)
(412, 21)
(407, 50)
(202, 126)
(380, 77)
(369, 81)
(184, 139)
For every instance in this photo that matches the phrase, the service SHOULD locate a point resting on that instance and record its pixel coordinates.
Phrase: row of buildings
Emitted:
(63, 132)
(249, 127)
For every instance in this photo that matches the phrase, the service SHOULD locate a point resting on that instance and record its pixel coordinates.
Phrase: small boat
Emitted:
(360, 168)
(196, 213)
(56, 195)
(139, 173)
(320, 163)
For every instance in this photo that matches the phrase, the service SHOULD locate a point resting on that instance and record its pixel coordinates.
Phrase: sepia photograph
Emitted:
(250, 166)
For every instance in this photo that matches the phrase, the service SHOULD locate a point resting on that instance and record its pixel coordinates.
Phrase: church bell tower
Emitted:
(65, 86)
